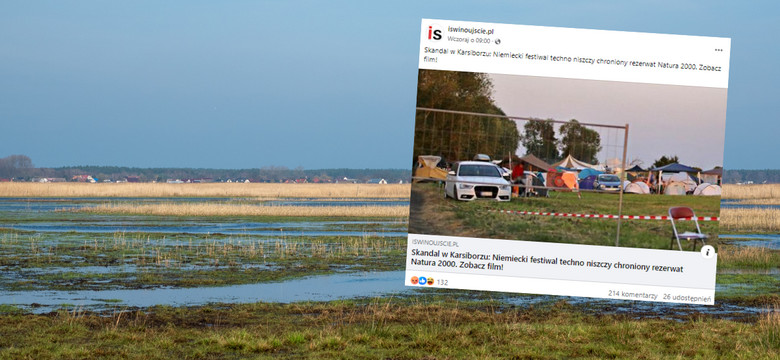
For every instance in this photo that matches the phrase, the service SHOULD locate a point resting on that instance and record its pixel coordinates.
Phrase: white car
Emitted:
(471, 180)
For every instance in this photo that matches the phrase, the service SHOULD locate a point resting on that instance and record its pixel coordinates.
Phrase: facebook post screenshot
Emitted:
(567, 162)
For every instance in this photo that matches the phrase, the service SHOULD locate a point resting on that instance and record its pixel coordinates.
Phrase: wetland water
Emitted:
(33, 228)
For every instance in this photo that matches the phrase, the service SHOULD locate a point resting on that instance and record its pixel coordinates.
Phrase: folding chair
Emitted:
(682, 212)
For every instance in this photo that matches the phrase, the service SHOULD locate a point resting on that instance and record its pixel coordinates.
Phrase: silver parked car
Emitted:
(471, 180)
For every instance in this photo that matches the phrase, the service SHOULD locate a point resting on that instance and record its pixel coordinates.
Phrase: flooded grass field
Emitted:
(52, 256)
(45, 248)
(128, 280)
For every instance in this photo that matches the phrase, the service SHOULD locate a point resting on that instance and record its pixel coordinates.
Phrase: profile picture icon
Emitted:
(423, 280)
(414, 280)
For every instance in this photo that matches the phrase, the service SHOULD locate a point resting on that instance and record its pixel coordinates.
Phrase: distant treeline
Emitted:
(20, 168)
(769, 176)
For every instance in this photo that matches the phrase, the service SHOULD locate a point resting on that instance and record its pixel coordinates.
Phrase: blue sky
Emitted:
(240, 84)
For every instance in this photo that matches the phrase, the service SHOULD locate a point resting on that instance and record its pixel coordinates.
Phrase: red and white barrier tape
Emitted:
(602, 216)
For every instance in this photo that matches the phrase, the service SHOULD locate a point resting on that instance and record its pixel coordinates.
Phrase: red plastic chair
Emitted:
(682, 212)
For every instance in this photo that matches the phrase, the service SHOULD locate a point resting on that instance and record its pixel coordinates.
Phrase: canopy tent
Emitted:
(589, 172)
(707, 189)
(427, 168)
(635, 168)
(572, 163)
(674, 188)
(535, 163)
(675, 167)
(637, 188)
(712, 176)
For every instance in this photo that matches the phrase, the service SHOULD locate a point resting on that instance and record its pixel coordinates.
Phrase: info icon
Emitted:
(414, 280)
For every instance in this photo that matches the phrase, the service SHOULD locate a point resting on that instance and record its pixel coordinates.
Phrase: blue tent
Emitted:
(636, 168)
(587, 183)
(585, 173)
(675, 167)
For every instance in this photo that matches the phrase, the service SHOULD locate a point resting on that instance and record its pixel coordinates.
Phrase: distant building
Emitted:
(133, 179)
(83, 178)
(377, 181)
(177, 181)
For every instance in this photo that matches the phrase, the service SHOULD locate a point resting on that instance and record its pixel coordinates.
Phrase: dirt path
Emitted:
(430, 213)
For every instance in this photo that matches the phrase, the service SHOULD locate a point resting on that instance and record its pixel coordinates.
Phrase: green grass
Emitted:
(379, 329)
(478, 220)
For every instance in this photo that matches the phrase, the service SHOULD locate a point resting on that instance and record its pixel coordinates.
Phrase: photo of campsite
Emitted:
(614, 167)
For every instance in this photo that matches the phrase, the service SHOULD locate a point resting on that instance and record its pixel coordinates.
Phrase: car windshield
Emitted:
(609, 178)
(479, 170)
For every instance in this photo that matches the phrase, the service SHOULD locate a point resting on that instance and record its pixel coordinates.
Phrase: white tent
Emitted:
(674, 188)
(637, 188)
(680, 177)
(571, 163)
(707, 189)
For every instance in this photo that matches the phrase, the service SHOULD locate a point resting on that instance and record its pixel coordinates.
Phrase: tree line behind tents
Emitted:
(454, 136)
(461, 136)
(575, 139)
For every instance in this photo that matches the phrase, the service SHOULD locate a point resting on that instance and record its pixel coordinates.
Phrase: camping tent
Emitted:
(637, 188)
(635, 168)
(562, 179)
(674, 188)
(571, 163)
(707, 189)
(673, 167)
(427, 168)
(687, 180)
(681, 177)
(587, 183)
(589, 172)
(570, 179)
(712, 176)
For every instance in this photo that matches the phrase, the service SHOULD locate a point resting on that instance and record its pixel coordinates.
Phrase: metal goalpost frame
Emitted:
(623, 177)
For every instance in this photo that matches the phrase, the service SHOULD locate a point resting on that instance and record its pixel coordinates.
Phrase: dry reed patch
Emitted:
(750, 219)
(253, 190)
(248, 210)
(740, 256)
(759, 191)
